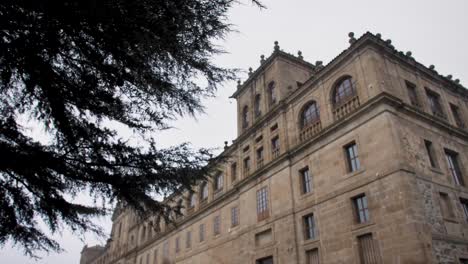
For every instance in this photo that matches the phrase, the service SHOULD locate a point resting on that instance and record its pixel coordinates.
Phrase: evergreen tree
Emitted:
(79, 69)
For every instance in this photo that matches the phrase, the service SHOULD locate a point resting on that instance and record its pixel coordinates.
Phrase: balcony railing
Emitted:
(346, 108)
(246, 171)
(310, 130)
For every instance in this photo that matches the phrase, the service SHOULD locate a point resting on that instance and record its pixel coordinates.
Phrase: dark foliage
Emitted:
(77, 68)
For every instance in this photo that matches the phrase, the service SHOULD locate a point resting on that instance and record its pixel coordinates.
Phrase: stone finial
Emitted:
(250, 71)
(449, 76)
(276, 46)
(299, 55)
(225, 144)
(351, 37)
(238, 84)
(388, 41)
(319, 64)
(262, 59)
(431, 67)
(457, 81)
(409, 53)
(378, 35)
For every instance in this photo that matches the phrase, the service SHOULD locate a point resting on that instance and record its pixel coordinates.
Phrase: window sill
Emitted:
(304, 196)
(451, 220)
(310, 241)
(356, 227)
(354, 173)
(436, 170)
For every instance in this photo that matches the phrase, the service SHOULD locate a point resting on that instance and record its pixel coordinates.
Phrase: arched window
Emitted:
(143, 233)
(310, 114)
(272, 92)
(343, 91)
(245, 116)
(203, 191)
(257, 109)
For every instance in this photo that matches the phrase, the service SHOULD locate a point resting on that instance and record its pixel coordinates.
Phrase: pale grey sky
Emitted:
(435, 31)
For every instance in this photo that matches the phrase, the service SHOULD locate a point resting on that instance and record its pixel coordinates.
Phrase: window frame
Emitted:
(216, 225)
(454, 167)
(262, 203)
(435, 104)
(411, 88)
(312, 117)
(353, 163)
(361, 209)
(306, 184)
(342, 94)
(457, 115)
(235, 218)
(204, 192)
(431, 153)
(464, 205)
(272, 98)
(309, 226)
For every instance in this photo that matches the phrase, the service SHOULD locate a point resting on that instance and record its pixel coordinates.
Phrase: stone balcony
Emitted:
(346, 108)
(310, 131)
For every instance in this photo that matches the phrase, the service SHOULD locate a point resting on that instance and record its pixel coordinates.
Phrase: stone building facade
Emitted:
(362, 160)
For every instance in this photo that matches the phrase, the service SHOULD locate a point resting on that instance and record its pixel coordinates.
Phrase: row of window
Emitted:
(435, 105)
(453, 163)
(343, 90)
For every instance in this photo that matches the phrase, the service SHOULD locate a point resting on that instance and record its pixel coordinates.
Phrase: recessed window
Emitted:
(412, 93)
(352, 157)
(192, 200)
(430, 153)
(217, 225)
(464, 203)
(203, 191)
(267, 260)
(273, 127)
(257, 106)
(155, 256)
(312, 256)
(457, 116)
(262, 204)
(245, 117)
(344, 90)
(361, 209)
(233, 171)
(260, 157)
(368, 251)
(272, 93)
(219, 182)
(275, 147)
(246, 166)
(446, 206)
(177, 244)
(234, 216)
(306, 180)
(258, 139)
(434, 103)
(310, 115)
(201, 232)
(166, 249)
(309, 227)
(188, 239)
(454, 167)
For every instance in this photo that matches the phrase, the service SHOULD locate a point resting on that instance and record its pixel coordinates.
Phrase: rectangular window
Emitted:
(446, 206)
(260, 157)
(275, 146)
(273, 127)
(309, 227)
(188, 239)
(368, 250)
(464, 203)
(412, 93)
(352, 157)
(233, 171)
(234, 216)
(155, 256)
(434, 103)
(219, 182)
(201, 232)
(457, 116)
(166, 249)
(267, 260)
(454, 167)
(312, 256)
(262, 204)
(177, 244)
(430, 153)
(217, 225)
(246, 166)
(306, 180)
(361, 208)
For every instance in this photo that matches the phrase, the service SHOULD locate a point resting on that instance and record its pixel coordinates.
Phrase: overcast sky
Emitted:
(435, 31)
